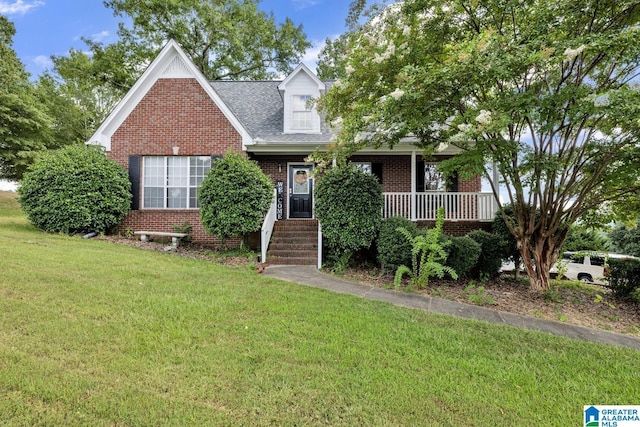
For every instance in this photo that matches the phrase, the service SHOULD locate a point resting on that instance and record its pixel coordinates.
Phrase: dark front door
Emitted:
(300, 191)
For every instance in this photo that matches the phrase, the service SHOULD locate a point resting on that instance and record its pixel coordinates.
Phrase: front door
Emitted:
(300, 191)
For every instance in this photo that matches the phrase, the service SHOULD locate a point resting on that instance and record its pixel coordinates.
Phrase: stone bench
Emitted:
(175, 237)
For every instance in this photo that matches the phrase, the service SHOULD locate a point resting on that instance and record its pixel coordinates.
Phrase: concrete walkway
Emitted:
(311, 276)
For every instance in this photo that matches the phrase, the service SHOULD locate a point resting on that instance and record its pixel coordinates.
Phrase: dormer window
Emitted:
(302, 113)
(297, 91)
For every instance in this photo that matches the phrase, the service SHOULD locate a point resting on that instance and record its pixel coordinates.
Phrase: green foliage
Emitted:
(581, 238)
(477, 295)
(185, 228)
(394, 249)
(348, 204)
(24, 127)
(508, 244)
(230, 39)
(427, 253)
(625, 240)
(624, 277)
(545, 91)
(463, 253)
(489, 261)
(234, 197)
(76, 189)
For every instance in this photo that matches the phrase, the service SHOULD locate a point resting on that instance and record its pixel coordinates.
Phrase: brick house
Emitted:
(173, 122)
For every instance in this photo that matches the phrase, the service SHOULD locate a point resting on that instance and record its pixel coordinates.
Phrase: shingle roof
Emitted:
(259, 106)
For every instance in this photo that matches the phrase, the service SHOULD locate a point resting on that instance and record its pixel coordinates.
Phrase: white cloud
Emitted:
(310, 57)
(43, 61)
(18, 7)
(100, 37)
(303, 4)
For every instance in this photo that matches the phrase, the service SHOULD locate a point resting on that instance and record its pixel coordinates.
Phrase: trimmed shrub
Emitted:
(489, 261)
(349, 207)
(76, 189)
(234, 197)
(624, 277)
(463, 254)
(394, 249)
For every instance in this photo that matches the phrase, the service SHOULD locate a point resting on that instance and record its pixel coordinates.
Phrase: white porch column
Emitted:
(413, 185)
(496, 181)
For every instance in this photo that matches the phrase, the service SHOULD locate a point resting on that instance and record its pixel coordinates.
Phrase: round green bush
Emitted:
(463, 253)
(394, 249)
(490, 259)
(76, 189)
(349, 207)
(234, 197)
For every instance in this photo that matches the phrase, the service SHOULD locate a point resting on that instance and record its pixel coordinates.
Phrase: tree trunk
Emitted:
(538, 258)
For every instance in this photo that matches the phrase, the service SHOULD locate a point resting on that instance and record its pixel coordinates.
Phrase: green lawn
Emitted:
(95, 334)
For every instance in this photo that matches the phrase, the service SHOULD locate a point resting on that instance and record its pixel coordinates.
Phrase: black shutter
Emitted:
(376, 170)
(134, 177)
(420, 176)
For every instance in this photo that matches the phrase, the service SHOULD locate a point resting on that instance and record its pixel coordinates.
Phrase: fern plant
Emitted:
(427, 253)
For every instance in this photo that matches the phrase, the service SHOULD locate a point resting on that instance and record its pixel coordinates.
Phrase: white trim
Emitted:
(414, 184)
(171, 62)
(302, 68)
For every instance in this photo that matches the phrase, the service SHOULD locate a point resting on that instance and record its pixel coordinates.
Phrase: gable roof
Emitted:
(171, 62)
(302, 69)
(259, 106)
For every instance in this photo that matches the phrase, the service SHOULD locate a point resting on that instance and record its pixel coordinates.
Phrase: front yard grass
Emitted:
(93, 333)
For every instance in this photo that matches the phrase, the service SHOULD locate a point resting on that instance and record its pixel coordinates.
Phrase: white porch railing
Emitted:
(457, 206)
(267, 226)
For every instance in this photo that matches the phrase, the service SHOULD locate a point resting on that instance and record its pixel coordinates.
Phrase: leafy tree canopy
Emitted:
(23, 123)
(626, 240)
(548, 91)
(226, 39)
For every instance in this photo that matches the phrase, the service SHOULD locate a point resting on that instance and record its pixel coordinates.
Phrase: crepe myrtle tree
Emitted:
(547, 91)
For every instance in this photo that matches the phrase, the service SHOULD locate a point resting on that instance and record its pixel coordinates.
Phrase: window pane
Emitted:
(193, 197)
(301, 102)
(433, 179)
(153, 171)
(364, 167)
(177, 171)
(153, 197)
(302, 120)
(177, 198)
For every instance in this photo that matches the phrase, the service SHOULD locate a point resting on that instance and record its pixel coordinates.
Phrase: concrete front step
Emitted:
(292, 246)
(293, 253)
(294, 242)
(277, 260)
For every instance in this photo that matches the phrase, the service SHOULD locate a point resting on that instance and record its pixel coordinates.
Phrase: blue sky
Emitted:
(52, 27)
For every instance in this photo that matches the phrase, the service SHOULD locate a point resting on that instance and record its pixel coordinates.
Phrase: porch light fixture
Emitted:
(279, 167)
(176, 150)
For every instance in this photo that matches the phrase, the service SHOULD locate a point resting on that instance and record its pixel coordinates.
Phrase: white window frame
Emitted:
(170, 175)
(301, 112)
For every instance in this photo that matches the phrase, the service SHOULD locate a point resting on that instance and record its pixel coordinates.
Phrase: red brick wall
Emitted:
(175, 112)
